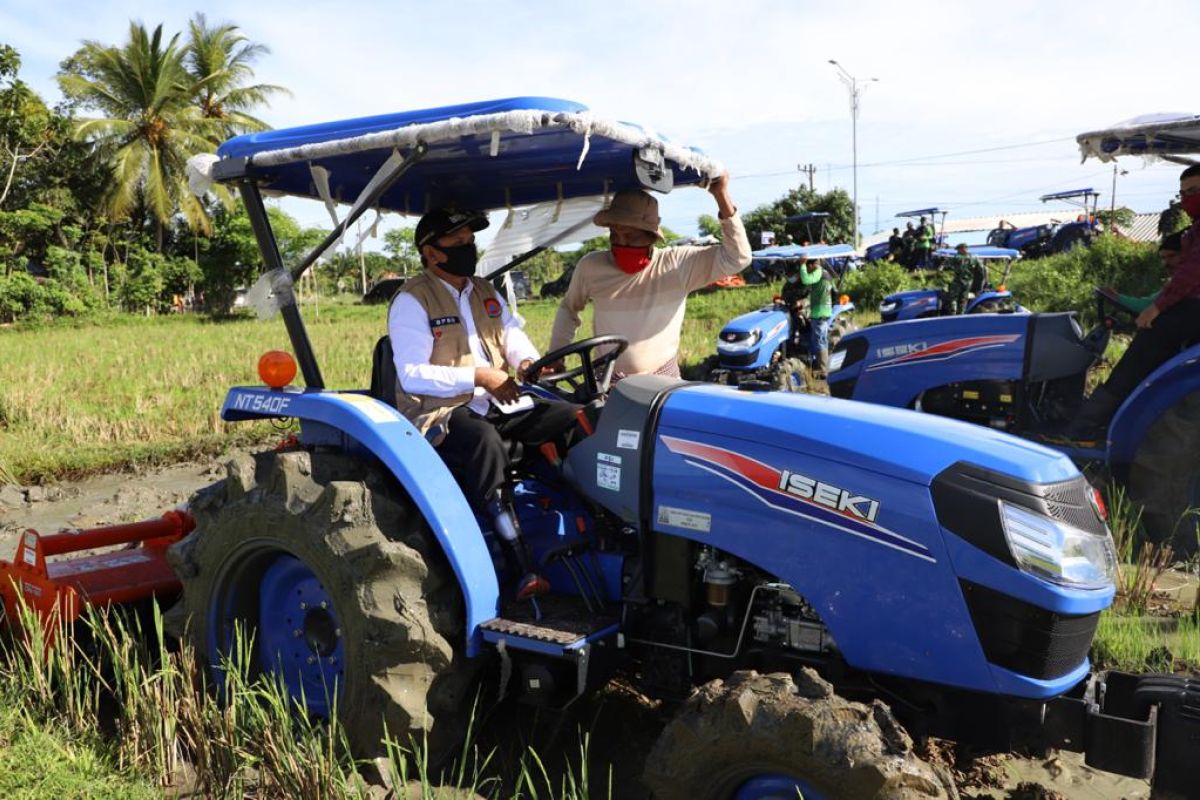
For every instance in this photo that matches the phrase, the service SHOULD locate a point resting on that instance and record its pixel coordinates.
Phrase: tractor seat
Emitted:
(383, 388)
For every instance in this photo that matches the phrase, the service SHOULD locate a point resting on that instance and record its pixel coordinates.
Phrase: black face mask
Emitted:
(460, 260)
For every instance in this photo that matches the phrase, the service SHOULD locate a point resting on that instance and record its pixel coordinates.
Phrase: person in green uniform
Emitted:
(808, 296)
(924, 243)
(968, 277)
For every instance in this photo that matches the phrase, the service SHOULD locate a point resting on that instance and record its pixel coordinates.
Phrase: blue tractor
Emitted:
(792, 555)
(770, 344)
(922, 303)
(1026, 374)
(880, 250)
(1058, 237)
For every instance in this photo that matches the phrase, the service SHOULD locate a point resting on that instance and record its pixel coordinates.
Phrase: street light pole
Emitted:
(856, 90)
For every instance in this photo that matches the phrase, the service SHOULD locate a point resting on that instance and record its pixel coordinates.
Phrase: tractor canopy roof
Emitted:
(812, 252)
(795, 252)
(1165, 135)
(485, 155)
(980, 251)
(922, 212)
(1070, 194)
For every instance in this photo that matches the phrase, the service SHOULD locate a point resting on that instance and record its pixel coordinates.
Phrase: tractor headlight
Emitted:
(888, 306)
(1058, 552)
(738, 342)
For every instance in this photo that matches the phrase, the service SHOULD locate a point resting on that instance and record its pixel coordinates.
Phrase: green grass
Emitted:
(79, 398)
(40, 760)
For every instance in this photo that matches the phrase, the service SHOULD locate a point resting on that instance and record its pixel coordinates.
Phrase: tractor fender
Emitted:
(391, 438)
(1167, 385)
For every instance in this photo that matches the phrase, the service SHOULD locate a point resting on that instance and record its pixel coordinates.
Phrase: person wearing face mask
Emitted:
(453, 339)
(640, 291)
(1171, 321)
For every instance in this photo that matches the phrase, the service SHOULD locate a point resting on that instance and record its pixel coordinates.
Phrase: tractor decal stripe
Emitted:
(947, 350)
(762, 481)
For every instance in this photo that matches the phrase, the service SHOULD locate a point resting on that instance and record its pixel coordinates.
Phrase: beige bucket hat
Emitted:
(634, 208)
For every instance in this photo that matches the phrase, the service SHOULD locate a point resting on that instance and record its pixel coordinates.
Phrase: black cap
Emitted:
(441, 221)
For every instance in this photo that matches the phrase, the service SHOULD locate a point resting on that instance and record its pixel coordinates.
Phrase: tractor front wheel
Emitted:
(1165, 477)
(317, 570)
(753, 737)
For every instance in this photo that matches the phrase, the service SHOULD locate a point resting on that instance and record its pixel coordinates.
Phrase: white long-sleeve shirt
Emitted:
(412, 346)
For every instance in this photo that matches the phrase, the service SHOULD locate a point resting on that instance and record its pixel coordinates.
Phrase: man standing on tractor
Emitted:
(452, 338)
(811, 289)
(640, 291)
(969, 277)
(1167, 324)
(895, 246)
(924, 243)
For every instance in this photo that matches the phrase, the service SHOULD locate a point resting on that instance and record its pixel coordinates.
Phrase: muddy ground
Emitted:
(623, 723)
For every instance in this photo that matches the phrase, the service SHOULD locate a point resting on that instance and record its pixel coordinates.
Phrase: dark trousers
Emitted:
(1177, 326)
(476, 448)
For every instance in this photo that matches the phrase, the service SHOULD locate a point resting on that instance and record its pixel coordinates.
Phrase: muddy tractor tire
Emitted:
(791, 375)
(1165, 477)
(349, 599)
(767, 736)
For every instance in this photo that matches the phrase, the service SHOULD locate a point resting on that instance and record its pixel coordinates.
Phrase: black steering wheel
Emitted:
(590, 379)
(1104, 300)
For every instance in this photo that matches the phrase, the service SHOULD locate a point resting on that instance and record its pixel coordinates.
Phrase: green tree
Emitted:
(398, 243)
(839, 225)
(149, 126)
(709, 225)
(219, 59)
(1173, 219)
(27, 126)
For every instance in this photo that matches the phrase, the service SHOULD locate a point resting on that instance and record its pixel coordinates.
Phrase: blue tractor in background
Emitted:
(880, 250)
(788, 554)
(934, 302)
(770, 344)
(1040, 240)
(1026, 374)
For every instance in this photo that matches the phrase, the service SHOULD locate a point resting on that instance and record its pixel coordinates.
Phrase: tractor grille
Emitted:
(1026, 639)
(741, 360)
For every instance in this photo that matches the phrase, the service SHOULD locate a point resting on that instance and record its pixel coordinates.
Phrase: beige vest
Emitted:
(451, 347)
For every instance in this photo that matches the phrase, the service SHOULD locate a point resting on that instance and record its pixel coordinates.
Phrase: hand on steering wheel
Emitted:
(590, 379)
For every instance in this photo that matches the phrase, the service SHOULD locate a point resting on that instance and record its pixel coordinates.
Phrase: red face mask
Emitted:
(631, 259)
(1191, 204)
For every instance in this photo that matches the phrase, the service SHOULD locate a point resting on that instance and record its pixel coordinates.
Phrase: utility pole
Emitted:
(856, 90)
(811, 171)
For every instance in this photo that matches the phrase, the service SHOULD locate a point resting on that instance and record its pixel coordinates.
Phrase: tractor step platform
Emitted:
(565, 624)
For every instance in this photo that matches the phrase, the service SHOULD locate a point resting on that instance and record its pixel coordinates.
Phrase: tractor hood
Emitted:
(896, 442)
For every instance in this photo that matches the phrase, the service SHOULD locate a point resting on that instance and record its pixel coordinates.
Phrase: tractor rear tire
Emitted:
(392, 593)
(751, 725)
(1165, 477)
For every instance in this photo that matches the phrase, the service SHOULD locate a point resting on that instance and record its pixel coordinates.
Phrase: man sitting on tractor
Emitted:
(640, 291)
(1171, 321)
(968, 278)
(452, 338)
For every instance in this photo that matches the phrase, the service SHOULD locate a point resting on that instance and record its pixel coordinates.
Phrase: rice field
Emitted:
(99, 395)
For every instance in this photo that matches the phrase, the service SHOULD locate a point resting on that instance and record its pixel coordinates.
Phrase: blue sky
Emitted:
(748, 81)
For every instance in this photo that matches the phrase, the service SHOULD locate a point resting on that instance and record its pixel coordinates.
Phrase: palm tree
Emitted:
(148, 126)
(218, 61)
